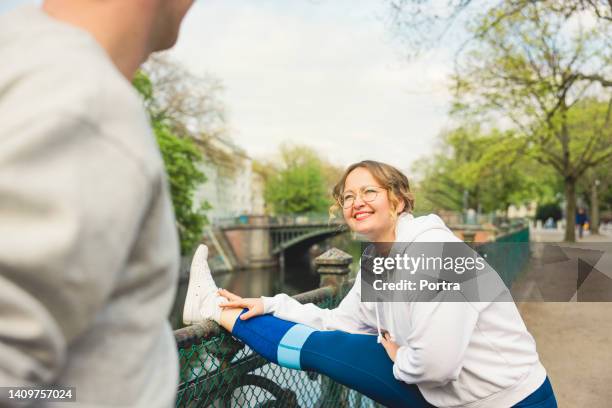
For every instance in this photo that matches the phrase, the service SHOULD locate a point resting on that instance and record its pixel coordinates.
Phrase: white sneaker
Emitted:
(202, 301)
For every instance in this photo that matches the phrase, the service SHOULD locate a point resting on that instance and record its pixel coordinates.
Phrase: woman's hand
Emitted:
(390, 346)
(255, 305)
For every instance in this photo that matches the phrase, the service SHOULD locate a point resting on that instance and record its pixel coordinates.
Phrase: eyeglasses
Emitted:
(367, 194)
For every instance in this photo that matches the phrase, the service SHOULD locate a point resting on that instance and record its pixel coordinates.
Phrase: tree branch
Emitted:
(595, 78)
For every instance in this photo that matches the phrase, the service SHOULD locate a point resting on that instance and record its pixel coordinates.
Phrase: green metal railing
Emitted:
(508, 254)
(217, 370)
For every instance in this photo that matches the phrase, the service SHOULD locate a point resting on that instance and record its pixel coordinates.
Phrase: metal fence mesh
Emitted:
(218, 371)
(508, 255)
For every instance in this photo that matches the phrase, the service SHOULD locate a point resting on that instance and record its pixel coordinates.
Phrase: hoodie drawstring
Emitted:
(379, 338)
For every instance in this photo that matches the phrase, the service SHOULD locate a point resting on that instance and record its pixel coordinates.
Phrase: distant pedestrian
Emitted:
(581, 220)
(88, 246)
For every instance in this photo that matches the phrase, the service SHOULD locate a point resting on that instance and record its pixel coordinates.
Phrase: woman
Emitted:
(466, 354)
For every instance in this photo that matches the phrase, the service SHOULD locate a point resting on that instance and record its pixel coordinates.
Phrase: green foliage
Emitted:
(143, 85)
(480, 170)
(546, 211)
(181, 158)
(298, 184)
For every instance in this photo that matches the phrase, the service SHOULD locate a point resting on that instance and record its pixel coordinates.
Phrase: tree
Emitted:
(548, 210)
(189, 104)
(594, 184)
(605, 198)
(424, 23)
(299, 183)
(534, 70)
(481, 170)
(181, 157)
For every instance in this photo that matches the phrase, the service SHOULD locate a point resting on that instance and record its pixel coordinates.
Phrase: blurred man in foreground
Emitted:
(88, 245)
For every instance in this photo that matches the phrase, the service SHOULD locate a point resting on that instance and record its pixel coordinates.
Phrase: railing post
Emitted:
(333, 267)
(469, 235)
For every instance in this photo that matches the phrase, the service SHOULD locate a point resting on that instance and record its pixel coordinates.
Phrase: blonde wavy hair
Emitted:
(391, 179)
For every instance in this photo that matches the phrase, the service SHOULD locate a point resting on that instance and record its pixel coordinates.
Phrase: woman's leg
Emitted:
(354, 360)
(228, 318)
(543, 397)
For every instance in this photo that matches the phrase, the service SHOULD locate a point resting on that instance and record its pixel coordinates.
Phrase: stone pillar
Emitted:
(469, 235)
(333, 267)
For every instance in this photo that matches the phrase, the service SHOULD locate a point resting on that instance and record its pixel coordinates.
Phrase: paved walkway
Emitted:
(574, 341)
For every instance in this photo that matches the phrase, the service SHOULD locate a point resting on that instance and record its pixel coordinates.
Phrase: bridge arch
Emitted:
(283, 240)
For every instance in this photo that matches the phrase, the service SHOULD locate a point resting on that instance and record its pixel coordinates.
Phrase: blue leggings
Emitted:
(354, 360)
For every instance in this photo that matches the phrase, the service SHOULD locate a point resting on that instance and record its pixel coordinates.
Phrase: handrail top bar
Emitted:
(189, 335)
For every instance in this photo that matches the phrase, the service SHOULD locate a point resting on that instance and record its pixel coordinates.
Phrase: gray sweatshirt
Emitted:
(88, 245)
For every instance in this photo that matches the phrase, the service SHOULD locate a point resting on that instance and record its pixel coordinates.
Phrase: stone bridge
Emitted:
(262, 241)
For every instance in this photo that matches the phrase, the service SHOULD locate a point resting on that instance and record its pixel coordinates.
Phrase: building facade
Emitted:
(232, 188)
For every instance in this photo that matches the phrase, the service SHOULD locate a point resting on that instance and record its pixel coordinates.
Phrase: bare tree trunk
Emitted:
(570, 210)
(569, 180)
(594, 222)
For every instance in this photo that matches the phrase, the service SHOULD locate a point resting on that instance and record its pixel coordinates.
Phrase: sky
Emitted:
(322, 73)
(327, 74)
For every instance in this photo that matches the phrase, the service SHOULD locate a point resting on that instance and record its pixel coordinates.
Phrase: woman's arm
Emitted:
(434, 351)
(350, 316)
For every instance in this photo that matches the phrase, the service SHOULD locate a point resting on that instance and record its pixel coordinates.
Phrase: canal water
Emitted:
(296, 278)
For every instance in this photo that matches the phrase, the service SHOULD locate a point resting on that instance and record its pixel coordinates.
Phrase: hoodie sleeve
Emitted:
(350, 316)
(437, 343)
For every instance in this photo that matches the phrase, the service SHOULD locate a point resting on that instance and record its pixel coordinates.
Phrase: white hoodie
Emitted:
(460, 354)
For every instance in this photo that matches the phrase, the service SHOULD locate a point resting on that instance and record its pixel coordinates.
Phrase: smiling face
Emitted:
(373, 219)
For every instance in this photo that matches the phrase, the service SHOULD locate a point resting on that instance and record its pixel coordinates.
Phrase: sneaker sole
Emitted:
(190, 310)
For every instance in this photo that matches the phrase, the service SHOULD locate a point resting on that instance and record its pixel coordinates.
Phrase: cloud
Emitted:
(324, 74)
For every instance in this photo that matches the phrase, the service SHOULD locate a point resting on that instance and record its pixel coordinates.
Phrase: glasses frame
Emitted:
(360, 194)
